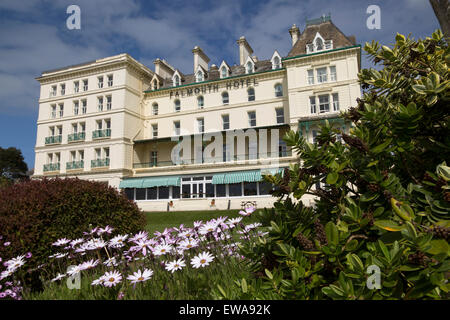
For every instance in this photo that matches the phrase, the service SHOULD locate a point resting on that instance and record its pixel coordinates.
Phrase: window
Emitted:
(155, 84)
(324, 105)
(225, 98)
(85, 85)
(100, 103)
(74, 128)
(276, 63)
(53, 106)
(108, 102)
(200, 102)
(110, 80)
(98, 153)
(106, 153)
(100, 82)
(251, 94)
(328, 44)
(311, 76)
(76, 86)
(83, 106)
(282, 148)
(76, 107)
(319, 44)
(221, 190)
(176, 128)
(201, 125)
(280, 115)
(249, 67)
(223, 72)
(61, 110)
(177, 105)
(53, 91)
(155, 109)
(250, 189)
(140, 193)
(63, 89)
(265, 188)
(99, 124)
(278, 90)
(235, 189)
(163, 192)
(321, 75)
(312, 102)
(225, 121)
(199, 76)
(155, 130)
(252, 118)
(175, 192)
(333, 73)
(154, 158)
(108, 124)
(226, 153)
(176, 80)
(335, 102)
(83, 127)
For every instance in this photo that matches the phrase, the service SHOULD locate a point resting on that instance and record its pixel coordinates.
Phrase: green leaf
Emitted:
(384, 249)
(332, 177)
(269, 274)
(332, 233)
(388, 225)
(438, 246)
(244, 285)
(382, 146)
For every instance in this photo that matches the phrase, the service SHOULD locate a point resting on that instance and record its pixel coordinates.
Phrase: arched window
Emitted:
(177, 105)
(276, 63)
(278, 90)
(319, 44)
(225, 98)
(155, 85)
(176, 81)
(200, 101)
(155, 109)
(224, 72)
(249, 67)
(251, 94)
(199, 76)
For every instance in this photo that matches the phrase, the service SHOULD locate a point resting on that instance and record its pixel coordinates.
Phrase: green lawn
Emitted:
(158, 221)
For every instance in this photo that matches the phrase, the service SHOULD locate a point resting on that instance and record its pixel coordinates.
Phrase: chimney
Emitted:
(244, 50)
(200, 58)
(163, 69)
(295, 33)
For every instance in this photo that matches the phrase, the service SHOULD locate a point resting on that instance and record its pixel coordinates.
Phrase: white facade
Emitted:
(130, 142)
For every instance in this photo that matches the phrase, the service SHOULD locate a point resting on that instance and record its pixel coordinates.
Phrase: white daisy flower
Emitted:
(106, 229)
(96, 244)
(111, 262)
(61, 242)
(188, 244)
(142, 245)
(139, 236)
(76, 242)
(234, 221)
(15, 263)
(110, 279)
(208, 227)
(202, 260)
(175, 265)
(61, 255)
(74, 270)
(58, 277)
(89, 264)
(118, 241)
(162, 249)
(247, 212)
(140, 276)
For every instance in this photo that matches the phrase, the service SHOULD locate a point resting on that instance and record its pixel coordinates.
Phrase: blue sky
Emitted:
(34, 38)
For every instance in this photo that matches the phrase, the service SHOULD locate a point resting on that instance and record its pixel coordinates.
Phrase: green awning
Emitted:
(130, 183)
(218, 178)
(160, 182)
(243, 176)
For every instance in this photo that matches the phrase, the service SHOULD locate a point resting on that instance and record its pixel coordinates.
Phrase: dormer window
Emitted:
(176, 81)
(276, 61)
(199, 76)
(155, 85)
(319, 44)
(224, 70)
(249, 67)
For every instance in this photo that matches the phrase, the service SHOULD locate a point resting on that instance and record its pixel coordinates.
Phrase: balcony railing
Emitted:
(80, 136)
(243, 157)
(73, 165)
(98, 134)
(97, 163)
(53, 139)
(51, 167)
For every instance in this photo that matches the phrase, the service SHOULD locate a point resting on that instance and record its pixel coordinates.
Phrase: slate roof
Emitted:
(327, 30)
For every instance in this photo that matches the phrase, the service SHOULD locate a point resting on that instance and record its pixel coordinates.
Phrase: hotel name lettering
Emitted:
(211, 88)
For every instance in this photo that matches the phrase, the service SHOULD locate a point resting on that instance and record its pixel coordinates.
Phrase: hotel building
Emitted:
(198, 141)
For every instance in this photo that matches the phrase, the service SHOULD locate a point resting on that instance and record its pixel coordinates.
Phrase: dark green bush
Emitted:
(36, 213)
(385, 199)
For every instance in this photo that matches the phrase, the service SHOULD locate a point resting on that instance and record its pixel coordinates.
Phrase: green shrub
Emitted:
(36, 213)
(386, 197)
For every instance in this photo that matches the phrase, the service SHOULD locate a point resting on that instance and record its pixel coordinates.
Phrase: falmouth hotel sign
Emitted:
(211, 88)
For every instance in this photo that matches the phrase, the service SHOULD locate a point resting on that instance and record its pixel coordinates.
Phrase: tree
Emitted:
(380, 225)
(442, 11)
(12, 164)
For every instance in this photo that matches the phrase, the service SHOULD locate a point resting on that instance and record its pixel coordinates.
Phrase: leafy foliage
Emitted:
(385, 201)
(12, 164)
(36, 213)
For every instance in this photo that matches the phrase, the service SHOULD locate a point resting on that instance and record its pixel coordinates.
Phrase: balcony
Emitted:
(98, 163)
(74, 165)
(101, 134)
(53, 139)
(51, 167)
(74, 137)
(243, 157)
